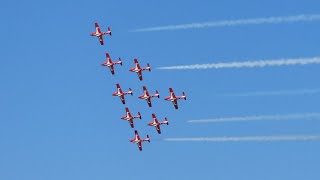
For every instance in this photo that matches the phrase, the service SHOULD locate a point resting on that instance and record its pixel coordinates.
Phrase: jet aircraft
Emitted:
(157, 124)
(99, 34)
(138, 140)
(174, 99)
(130, 118)
(147, 96)
(121, 94)
(110, 63)
(138, 69)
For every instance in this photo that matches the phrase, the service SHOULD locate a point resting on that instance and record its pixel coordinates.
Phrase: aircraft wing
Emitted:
(140, 146)
(108, 57)
(101, 40)
(111, 69)
(97, 28)
(136, 134)
(122, 99)
(175, 103)
(172, 93)
(158, 129)
(145, 91)
(149, 102)
(137, 64)
(131, 124)
(154, 118)
(140, 75)
(128, 112)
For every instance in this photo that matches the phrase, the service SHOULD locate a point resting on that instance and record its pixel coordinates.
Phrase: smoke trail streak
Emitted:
(276, 93)
(228, 23)
(248, 64)
(305, 116)
(250, 138)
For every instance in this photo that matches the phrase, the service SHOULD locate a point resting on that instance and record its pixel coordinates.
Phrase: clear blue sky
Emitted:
(58, 119)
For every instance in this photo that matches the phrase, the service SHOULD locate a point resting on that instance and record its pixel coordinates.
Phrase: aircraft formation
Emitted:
(146, 96)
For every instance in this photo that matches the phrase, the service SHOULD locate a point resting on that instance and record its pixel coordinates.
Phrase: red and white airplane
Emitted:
(174, 99)
(138, 140)
(147, 96)
(110, 63)
(130, 118)
(138, 69)
(157, 124)
(99, 34)
(121, 94)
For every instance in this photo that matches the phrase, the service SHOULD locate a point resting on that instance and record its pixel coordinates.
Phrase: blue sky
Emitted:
(59, 120)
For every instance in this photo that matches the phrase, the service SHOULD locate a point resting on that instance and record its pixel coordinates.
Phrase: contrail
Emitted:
(305, 116)
(276, 93)
(250, 138)
(248, 64)
(228, 23)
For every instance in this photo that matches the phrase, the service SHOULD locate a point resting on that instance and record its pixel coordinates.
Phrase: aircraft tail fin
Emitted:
(184, 96)
(139, 115)
(130, 91)
(166, 121)
(157, 94)
(148, 138)
(109, 31)
(148, 66)
(120, 61)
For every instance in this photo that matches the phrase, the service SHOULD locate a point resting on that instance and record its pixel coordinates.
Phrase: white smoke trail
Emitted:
(305, 116)
(276, 93)
(227, 23)
(248, 64)
(250, 138)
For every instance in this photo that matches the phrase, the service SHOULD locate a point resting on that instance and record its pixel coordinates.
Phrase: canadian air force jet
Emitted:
(110, 63)
(155, 123)
(174, 99)
(148, 96)
(121, 94)
(98, 33)
(138, 69)
(130, 118)
(138, 140)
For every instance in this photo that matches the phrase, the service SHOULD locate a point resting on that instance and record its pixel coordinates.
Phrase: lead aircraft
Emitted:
(147, 96)
(99, 34)
(138, 69)
(138, 140)
(130, 118)
(155, 123)
(110, 63)
(174, 99)
(121, 94)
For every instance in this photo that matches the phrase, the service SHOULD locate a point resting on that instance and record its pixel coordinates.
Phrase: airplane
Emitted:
(174, 99)
(110, 64)
(138, 69)
(138, 140)
(148, 97)
(121, 94)
(157, 124)
(130, 118)
(99, 34)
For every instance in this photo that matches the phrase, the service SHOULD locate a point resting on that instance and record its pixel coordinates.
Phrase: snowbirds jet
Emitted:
(138, 140)
(138, 69)
(147, 96)
(157, 124)
(121, 94)
(110, 63)
(99, 34)
(174, 99)
(130, 118)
